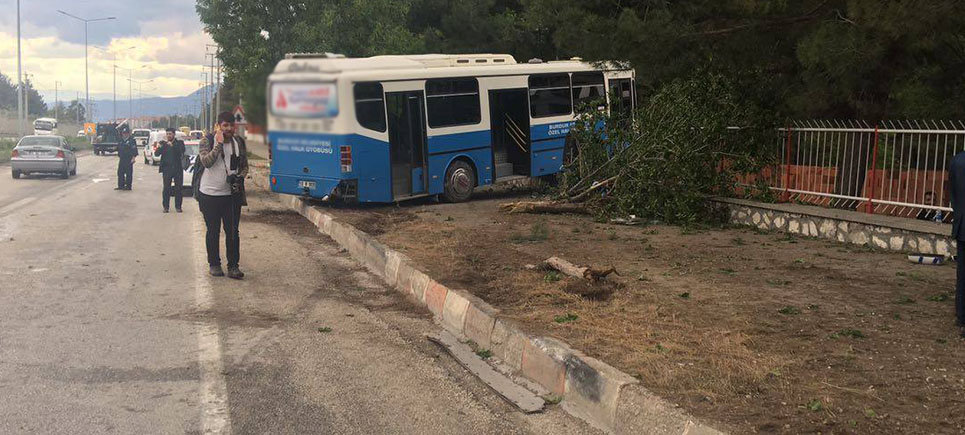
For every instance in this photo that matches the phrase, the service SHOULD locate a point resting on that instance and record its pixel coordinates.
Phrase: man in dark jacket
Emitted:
(127, 154)
(171, 169)
(956, 179)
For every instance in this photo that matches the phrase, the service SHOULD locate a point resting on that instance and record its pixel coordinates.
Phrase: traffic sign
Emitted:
(240, 115)
(90, 128)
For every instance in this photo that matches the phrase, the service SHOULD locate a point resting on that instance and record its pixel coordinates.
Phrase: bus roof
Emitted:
(313, 65)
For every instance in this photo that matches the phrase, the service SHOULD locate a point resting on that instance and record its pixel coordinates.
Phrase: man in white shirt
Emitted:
(220, 191)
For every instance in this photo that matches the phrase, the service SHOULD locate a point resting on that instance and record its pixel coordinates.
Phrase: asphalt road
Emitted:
(109, 324)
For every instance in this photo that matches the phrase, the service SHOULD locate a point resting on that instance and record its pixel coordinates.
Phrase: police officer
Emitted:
(127, 154)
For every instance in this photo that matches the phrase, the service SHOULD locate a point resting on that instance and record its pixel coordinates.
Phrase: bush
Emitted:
(663, 161)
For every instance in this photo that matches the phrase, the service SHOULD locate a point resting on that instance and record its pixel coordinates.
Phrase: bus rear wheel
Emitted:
(460, 182)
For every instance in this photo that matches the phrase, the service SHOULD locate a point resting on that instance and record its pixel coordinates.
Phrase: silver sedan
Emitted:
(43, 155)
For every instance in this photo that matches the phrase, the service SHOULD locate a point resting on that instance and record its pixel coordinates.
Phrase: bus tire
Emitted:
(460, 182)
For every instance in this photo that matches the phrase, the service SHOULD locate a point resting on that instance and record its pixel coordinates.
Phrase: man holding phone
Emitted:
(171, 152)
(220, 190)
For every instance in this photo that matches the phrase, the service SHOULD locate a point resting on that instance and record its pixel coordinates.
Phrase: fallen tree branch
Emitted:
(588, 273)
(537, 207)
(593, 187)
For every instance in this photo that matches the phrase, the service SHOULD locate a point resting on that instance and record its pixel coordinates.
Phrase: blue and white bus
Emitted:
(389, 128)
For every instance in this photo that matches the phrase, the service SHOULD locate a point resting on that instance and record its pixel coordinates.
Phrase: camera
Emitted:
(235, 182)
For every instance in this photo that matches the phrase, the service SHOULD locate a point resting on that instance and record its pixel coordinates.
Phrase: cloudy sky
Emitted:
(161, 40)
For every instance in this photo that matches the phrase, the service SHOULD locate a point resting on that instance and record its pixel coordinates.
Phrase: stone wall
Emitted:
(881, 232)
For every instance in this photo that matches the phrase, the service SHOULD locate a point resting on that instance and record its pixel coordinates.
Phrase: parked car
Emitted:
(153, 139)
(141, 136)
(196, 134)
(43, 155)
(81, 133)
(191, 150)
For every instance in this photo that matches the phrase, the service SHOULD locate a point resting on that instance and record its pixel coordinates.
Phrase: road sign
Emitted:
(240, 115)
(90, 128)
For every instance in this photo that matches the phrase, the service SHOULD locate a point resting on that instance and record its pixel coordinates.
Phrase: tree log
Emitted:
(543, 207)
(573, 270)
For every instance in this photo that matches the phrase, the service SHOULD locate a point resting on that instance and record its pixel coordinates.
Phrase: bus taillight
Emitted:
(346, 158)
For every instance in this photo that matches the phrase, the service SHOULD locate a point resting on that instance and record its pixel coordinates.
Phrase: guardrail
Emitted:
(894, 167)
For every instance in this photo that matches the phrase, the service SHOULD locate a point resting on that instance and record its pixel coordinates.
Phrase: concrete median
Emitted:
(591, 389)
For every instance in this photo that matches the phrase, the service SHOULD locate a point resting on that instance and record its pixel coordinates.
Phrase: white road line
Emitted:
(214, 393)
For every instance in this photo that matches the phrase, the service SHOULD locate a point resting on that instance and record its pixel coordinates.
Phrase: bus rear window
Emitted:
(304, 100)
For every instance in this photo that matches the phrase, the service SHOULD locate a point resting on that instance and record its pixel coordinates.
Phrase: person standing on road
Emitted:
(956, 181)
(220, 190)
(126, 154)
(171, 169)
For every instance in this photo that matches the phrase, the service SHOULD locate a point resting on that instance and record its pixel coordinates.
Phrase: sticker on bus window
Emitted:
(304, 100)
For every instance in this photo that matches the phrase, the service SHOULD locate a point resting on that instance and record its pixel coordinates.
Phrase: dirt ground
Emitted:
(754, 332)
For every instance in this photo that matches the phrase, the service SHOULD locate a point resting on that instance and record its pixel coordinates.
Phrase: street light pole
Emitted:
(86, 75)
(20, 115)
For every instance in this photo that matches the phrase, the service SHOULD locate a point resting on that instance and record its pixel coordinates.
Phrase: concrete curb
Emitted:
(591, 389)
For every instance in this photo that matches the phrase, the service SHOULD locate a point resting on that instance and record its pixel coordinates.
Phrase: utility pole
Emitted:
(77, 107)
(20, 116)
(26, 98)
(56, 100)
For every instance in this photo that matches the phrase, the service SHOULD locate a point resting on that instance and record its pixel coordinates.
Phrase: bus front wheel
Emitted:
(460, 182)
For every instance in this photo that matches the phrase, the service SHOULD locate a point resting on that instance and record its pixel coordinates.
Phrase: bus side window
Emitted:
(370, 106)
(587, 88)
(452, 102)
(550, 95)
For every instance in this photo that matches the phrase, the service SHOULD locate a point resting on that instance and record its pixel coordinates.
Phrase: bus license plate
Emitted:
(306, 185)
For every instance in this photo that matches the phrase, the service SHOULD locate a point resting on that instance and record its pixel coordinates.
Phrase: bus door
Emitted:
(407, 142)
(509, 115)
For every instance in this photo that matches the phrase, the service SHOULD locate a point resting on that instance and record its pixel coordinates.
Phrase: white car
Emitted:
(141, 135)
(152, 145)
(191, 150)
(81, 133)
(196, 134)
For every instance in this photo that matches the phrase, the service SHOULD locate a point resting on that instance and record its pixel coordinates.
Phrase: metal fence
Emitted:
(895, 167)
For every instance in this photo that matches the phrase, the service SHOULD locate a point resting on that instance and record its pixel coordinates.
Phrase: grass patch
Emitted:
(848, 332)
(685, 295)
(814, 405)
(325, 329)
(538, 232)
(728, 271)
(939, 297)
(552, 276)
(553, 399)
(790, 310)
(567, 318)
(484, 353)
(905, 300)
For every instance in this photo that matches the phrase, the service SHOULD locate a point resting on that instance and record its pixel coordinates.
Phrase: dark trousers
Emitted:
(960, 285)
(176, 177)
(221, 212)
(125, 173)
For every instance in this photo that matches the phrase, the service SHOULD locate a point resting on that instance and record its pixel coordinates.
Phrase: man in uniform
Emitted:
(171, 169)
(127, 154)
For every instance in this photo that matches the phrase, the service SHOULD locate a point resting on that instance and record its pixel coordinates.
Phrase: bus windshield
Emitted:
(43, 125)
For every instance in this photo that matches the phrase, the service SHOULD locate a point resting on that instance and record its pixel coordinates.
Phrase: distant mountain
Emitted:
(149, 106)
